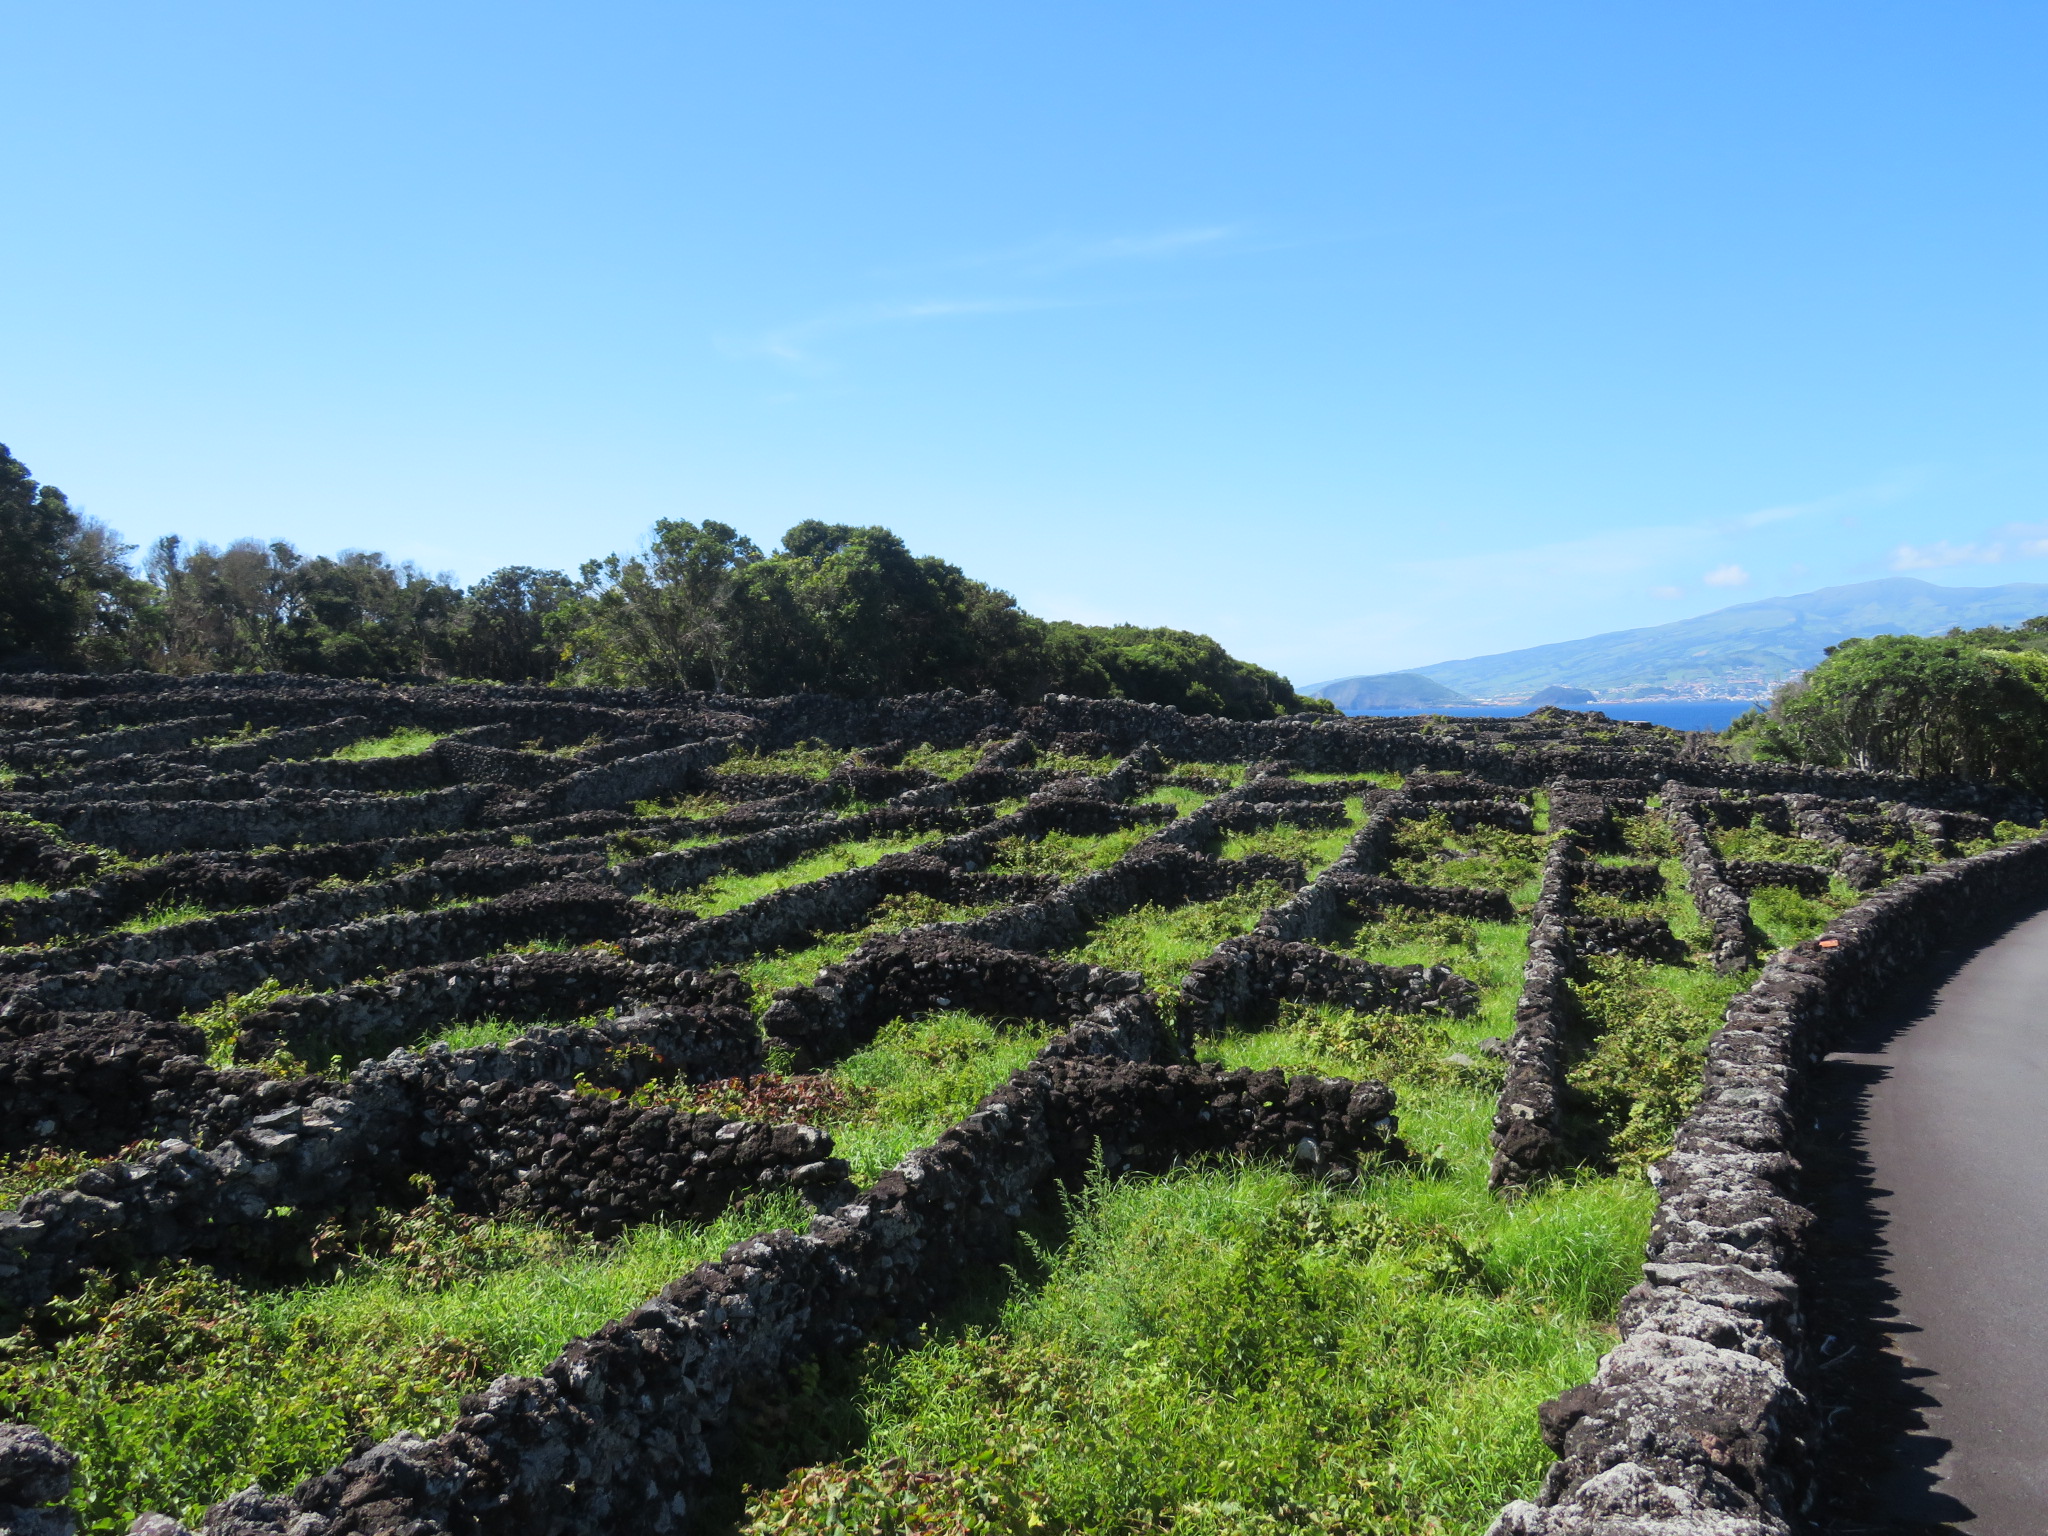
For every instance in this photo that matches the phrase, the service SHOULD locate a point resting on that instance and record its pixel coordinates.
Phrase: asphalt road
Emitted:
(1955, 1127)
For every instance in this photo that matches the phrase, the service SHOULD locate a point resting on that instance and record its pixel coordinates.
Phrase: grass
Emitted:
(681, 805)
(1634, 1072)
(1066, 855)
(1786, 917)
(920, 1076)
(1228, 1349)
(915, 1078)
(222, 1021)
(806, 760)
(1162, 942)
(23, 890)
(1428, 852)
(36, 1169)
(1761, 843)
(186, 1387)
(479, 1032)
(722, 893)
(165, 915)
(1314, 847)
(407, 741)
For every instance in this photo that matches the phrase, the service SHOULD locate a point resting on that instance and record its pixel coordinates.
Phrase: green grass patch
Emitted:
(2001, 834)
(805, 760)
(406, 741)
(1633, 1072)
(946, 762)
(185, 1387)
(1761, 843)
(1162, 942)
(687, 806)
(165, 915)
(1786, 917)
(1065, 855)
(1314, 847)
(1230, 1350)
(222, 1021)
(722, 893)
(920, 1076)
(23, 890)
(1428, 852)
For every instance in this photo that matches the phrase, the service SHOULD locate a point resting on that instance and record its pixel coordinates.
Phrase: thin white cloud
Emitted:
(1726, 576)
(1932, 557)
(1863, 496)
(795, 346)
(1667, 593)
(1035, 264)
(1056, 255)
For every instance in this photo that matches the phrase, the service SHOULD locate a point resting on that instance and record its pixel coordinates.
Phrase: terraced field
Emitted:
(460, 1109)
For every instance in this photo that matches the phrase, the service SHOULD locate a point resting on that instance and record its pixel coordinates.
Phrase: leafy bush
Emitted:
(1933, 708)
(1638, 1075)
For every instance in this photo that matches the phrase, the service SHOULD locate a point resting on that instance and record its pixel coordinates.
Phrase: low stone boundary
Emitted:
(1528, 1121)
(321, 1152)
(1244, 980)
(908, 974)
(641, 1409)
(565, 911)
(1694, 1425)
(375, 1017)
(1723, 908)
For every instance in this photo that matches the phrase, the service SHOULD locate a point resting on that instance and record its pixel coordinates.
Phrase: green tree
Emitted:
(255, 606)
(1168, 666)
(499, 630)
(1935, 708)
(67, 597)
(663, 618)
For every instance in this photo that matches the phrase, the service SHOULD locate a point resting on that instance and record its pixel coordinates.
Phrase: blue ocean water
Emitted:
(1679, 714)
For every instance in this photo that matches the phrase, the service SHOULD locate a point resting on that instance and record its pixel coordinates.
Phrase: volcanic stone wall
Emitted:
(1697, 1421)
(400, 892)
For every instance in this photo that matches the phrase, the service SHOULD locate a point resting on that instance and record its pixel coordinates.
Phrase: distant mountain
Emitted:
(1557, 693)
(1385, 690)
(1736, 652)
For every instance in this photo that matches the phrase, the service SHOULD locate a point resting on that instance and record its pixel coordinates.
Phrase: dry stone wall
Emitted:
(378, 902)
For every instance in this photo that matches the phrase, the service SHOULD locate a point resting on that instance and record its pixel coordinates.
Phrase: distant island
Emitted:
(1734, 653)
(1387, 690)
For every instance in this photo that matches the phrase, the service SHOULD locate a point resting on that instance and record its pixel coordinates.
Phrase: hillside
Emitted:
(1738, 651)
(1386, 690)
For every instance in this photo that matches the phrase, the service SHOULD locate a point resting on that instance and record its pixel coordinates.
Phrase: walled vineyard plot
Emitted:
(306, 984)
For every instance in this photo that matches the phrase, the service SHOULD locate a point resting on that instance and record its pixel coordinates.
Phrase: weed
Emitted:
(1228, 1350)
(722, 893)
(1638, 1074)
(1428, 852)
(1162, 943)
(165, 915)
(36, 1169)
(919, 1076)
(407, 741)
(23, 890)
(222, 1021)
(1066, 855)
(184, 1387)
(1787, 917)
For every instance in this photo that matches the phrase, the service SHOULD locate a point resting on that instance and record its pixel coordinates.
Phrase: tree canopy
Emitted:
(836, 608)
(1940, 708)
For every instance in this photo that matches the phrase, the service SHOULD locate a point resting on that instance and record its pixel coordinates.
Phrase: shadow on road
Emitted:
(1878, 1461)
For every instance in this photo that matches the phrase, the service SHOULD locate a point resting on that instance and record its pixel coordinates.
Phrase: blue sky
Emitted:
(1359, 336)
